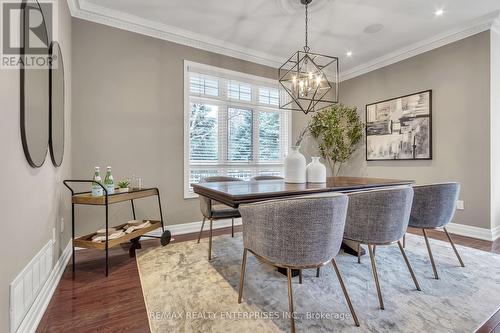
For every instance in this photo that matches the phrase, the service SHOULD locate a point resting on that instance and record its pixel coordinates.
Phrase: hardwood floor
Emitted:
(93, 303)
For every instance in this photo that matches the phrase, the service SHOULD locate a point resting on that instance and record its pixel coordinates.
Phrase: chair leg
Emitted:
(344, 290)
(375, 277)
(300, 276)
(317, 272)
(201, 230)
(290, 298)
(374, 249)
(454, 248)
(232, 226)
(242, 274)
(359, 253)
(409, 266)
(210, 242)
(404, 241)
(436, 276)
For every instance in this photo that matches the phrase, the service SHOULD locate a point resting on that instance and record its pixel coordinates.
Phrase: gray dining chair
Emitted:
(213, 210)
(380, 217)
(434, 207)
(267, 178)
(297, 233)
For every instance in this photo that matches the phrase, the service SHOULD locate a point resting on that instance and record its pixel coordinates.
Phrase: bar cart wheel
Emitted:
(166, 237)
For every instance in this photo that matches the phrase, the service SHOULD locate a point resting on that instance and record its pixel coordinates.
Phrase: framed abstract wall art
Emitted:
(400, 128)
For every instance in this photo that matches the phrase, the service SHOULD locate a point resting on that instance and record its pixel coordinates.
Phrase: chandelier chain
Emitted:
(306, 47)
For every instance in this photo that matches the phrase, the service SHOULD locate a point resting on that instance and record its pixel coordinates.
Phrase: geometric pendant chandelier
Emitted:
(309, 81)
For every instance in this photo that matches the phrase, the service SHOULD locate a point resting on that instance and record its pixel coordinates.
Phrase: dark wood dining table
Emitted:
(236, 193)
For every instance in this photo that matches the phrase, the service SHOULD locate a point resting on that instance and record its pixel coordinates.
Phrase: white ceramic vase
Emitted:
(316, 171)
(295, 166)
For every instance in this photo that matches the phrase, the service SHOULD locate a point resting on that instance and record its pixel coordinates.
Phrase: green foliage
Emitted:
(203, 132)
(123, 183)
(338, 130)
(239, 134)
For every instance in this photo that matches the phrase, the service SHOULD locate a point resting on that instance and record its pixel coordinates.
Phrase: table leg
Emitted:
(351, 247)
(107, 234)
(161, 213)
(133, 207)
(73, 236)
(295, 272)
(134, 241)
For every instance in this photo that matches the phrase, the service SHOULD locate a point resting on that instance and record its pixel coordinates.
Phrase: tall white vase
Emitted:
(295, 166)
(316, 171)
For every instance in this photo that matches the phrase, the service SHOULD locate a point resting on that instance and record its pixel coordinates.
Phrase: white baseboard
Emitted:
(35, 313)
(454, 228)
(187, 228)
(474, 232)
(495, 233)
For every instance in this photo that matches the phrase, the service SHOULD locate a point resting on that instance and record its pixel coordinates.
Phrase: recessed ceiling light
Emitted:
(439, 12)
(349, 53)
(373, 28)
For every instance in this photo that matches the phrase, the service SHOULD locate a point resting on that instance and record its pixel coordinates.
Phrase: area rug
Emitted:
(184, 292)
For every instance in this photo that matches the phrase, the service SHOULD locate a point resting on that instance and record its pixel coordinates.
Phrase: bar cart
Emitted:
(86, 198)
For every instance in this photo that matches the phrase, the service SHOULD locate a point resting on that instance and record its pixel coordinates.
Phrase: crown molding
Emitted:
(88, 11)
(495, 26)
(74, 7)
(471, 28)
(84, 10)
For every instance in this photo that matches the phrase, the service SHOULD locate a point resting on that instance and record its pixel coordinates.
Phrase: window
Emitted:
(233, 125)
(269, 96)
(204, 85)
(239, 90)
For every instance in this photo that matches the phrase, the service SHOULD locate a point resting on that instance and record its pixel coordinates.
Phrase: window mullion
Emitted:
(255, 137)
(223, 133)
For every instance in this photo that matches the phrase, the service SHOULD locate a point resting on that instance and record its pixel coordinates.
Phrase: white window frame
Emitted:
(256, 82)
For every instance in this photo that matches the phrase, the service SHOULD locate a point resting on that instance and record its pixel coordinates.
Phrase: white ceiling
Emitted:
(274, 29)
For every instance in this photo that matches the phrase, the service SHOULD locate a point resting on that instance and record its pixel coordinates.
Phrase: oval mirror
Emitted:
(56, 104)
(34, 87)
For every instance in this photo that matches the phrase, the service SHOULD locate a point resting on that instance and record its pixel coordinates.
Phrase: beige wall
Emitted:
(129, 113)
(495, 127)
(32, 201)
(458, 75)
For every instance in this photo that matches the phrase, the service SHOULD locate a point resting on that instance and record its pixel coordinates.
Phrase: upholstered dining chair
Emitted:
(434, 207)
(267, 178)
(380, 217)
(213, 210)
(297, 233)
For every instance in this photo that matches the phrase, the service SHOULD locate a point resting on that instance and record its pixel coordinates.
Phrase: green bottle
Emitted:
(109, 182)
(96, 188)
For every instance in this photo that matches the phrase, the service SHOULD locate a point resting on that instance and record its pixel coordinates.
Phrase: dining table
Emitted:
(233, 193)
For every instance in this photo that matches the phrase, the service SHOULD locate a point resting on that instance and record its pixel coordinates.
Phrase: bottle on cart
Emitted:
(109, 183)
(96, 188)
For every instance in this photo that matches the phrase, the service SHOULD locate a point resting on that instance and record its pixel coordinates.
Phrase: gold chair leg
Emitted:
(300, 276)
(404, 241)
(344, 290)
(359, 253)
(436, 276)
(317, 272)
(454, 248)
(242, 274)
(409, 266)
(232, 226)
(290, 298)
(201, 230)
(375, 276)
(210, 242)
